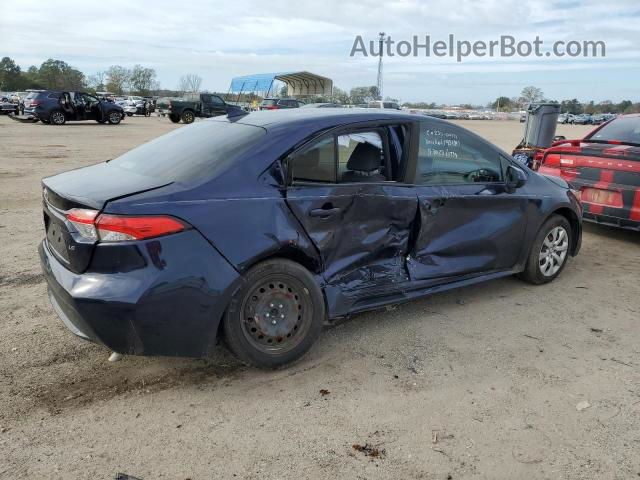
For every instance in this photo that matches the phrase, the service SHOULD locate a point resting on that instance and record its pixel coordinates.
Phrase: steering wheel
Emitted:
(482, 175)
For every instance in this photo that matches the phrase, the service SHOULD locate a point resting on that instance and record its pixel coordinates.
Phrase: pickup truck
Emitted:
(192, 106)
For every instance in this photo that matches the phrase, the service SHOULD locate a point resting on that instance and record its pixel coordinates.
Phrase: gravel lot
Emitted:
(501, 380)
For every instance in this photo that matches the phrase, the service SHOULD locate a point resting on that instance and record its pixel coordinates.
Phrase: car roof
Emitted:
(337, 116)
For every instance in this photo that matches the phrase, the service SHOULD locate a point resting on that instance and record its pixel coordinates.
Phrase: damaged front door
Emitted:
(469, 222)
(344, 193)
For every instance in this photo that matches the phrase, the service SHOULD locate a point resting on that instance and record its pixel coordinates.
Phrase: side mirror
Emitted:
(516, 178)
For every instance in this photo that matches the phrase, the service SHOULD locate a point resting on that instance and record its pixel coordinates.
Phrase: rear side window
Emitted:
(269, 103)
(449, 155)
(356, 156)
(623, 129)
(216, 100)
(198, 151)
(315, 163)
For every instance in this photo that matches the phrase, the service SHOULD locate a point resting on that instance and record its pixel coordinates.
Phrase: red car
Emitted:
(605, 167)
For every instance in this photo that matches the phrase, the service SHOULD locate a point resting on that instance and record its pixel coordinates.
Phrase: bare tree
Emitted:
(96, 81)
(531, 95)
(190, 83)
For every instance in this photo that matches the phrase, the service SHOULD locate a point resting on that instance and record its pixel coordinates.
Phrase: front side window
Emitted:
(449, 155)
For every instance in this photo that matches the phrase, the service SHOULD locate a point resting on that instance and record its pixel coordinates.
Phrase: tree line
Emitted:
(58, 75)
(139, 80)
(574, 106)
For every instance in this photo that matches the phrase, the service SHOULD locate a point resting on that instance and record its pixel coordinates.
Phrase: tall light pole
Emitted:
(379, 85)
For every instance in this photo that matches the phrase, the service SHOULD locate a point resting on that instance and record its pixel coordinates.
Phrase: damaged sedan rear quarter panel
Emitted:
(375, 228)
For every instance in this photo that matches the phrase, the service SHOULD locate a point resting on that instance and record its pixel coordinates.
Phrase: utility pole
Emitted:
(379, 85)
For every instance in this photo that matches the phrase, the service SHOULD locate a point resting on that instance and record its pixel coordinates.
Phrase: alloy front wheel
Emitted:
(553, 251)
(549, 251)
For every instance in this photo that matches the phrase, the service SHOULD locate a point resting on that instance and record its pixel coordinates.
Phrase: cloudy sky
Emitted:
(222, 39)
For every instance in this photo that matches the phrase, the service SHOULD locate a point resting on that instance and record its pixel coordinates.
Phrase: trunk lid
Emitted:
(89, 188)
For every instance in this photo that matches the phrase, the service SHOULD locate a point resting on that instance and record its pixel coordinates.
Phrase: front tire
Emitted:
(188, 116)
(57, 118)
(174, 117)
(114, 118)
(275, 316)
(549, 252)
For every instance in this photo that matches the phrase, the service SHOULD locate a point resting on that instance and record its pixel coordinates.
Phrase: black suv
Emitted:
(56, 108)
(279, 103)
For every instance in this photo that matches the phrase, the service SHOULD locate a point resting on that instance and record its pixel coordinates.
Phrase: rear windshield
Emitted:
(269, 103)
(623, 129)
(197, 151)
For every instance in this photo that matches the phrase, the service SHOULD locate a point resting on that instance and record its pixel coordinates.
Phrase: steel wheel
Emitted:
(553, 251)
(276, 314)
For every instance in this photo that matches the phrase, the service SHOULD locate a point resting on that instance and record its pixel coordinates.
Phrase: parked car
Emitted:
(269, 224)
(57, 108)
(565, 118)
(598, 119)
(435, 114)
(383, 104)
(583, 119)
(7, 108)
(280, 103)
(321, 105)
(605, 167)
(192, 106)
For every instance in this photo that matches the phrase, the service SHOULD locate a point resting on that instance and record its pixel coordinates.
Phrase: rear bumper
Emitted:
(611, 221)
(171, 304)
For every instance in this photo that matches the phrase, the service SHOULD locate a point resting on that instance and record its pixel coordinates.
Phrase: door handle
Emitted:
(324, 212)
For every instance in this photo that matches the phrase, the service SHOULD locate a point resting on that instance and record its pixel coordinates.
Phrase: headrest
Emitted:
(365, 158)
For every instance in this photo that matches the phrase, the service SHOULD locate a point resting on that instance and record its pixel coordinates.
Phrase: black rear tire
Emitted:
(188, 117)
(276, 315)
(174, 117)
(534, 271)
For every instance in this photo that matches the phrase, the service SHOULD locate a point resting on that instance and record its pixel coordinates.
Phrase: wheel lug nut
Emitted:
(271, 305)
(273, 322)
(282, 316)
(266, 315)
(279, 306)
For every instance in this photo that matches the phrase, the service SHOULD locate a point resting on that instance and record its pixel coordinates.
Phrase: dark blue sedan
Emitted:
(262, 227)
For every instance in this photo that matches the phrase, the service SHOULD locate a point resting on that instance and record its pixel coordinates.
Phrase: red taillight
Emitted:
(83, 220)
(116, 228)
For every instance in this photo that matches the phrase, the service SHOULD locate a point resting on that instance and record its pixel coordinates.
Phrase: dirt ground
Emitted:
(500, 381)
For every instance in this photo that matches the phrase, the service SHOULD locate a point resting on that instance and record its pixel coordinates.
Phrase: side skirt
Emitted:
(340, 305)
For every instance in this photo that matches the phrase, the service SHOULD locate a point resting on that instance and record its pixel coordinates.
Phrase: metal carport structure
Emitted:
(299, 84)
